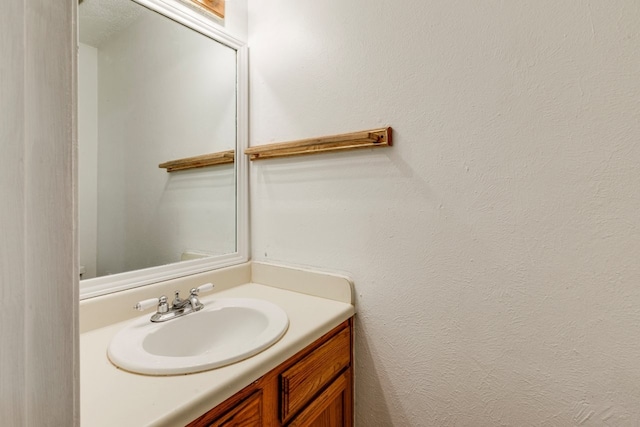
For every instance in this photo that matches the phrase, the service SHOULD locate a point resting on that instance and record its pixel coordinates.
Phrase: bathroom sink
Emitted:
(225, 331)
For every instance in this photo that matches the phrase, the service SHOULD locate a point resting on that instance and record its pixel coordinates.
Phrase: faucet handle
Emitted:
(163, 304)
(160, 304)
(147, 304)
(202, 288)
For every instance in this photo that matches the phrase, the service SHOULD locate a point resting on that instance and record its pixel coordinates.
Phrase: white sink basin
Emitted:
(225, 331)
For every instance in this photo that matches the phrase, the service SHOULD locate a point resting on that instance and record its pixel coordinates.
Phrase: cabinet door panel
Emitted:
(332, 408)
(305, 379)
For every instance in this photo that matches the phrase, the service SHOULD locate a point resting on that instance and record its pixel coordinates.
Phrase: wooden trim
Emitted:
(347, 141)
(220, 158)
(215, 6)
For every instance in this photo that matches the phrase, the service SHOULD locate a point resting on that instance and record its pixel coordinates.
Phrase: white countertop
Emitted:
(113, 397)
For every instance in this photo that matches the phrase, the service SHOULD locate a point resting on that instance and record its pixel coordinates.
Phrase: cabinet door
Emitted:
(332, 408)
(248, 413)
(302, 381)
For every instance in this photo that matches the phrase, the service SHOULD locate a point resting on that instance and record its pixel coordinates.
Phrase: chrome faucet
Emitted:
(179, 307)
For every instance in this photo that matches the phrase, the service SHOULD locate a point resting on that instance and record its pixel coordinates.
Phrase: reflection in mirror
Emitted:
(151, 90)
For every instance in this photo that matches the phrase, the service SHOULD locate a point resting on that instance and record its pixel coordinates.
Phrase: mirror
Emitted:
(157, 82)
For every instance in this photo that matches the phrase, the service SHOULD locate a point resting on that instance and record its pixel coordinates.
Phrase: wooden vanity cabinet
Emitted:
(313, 388)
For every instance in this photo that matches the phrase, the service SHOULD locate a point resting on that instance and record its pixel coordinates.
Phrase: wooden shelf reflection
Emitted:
(219, 158)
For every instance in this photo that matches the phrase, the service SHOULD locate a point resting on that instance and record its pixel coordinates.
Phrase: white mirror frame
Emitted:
(179, 12)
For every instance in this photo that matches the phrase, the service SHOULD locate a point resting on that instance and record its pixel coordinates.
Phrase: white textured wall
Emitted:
(87, 158)
(38, 278)
(177, 101)
(495, 249)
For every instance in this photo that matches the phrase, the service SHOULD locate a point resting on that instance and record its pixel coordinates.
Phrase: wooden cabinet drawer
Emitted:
(302, 381)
